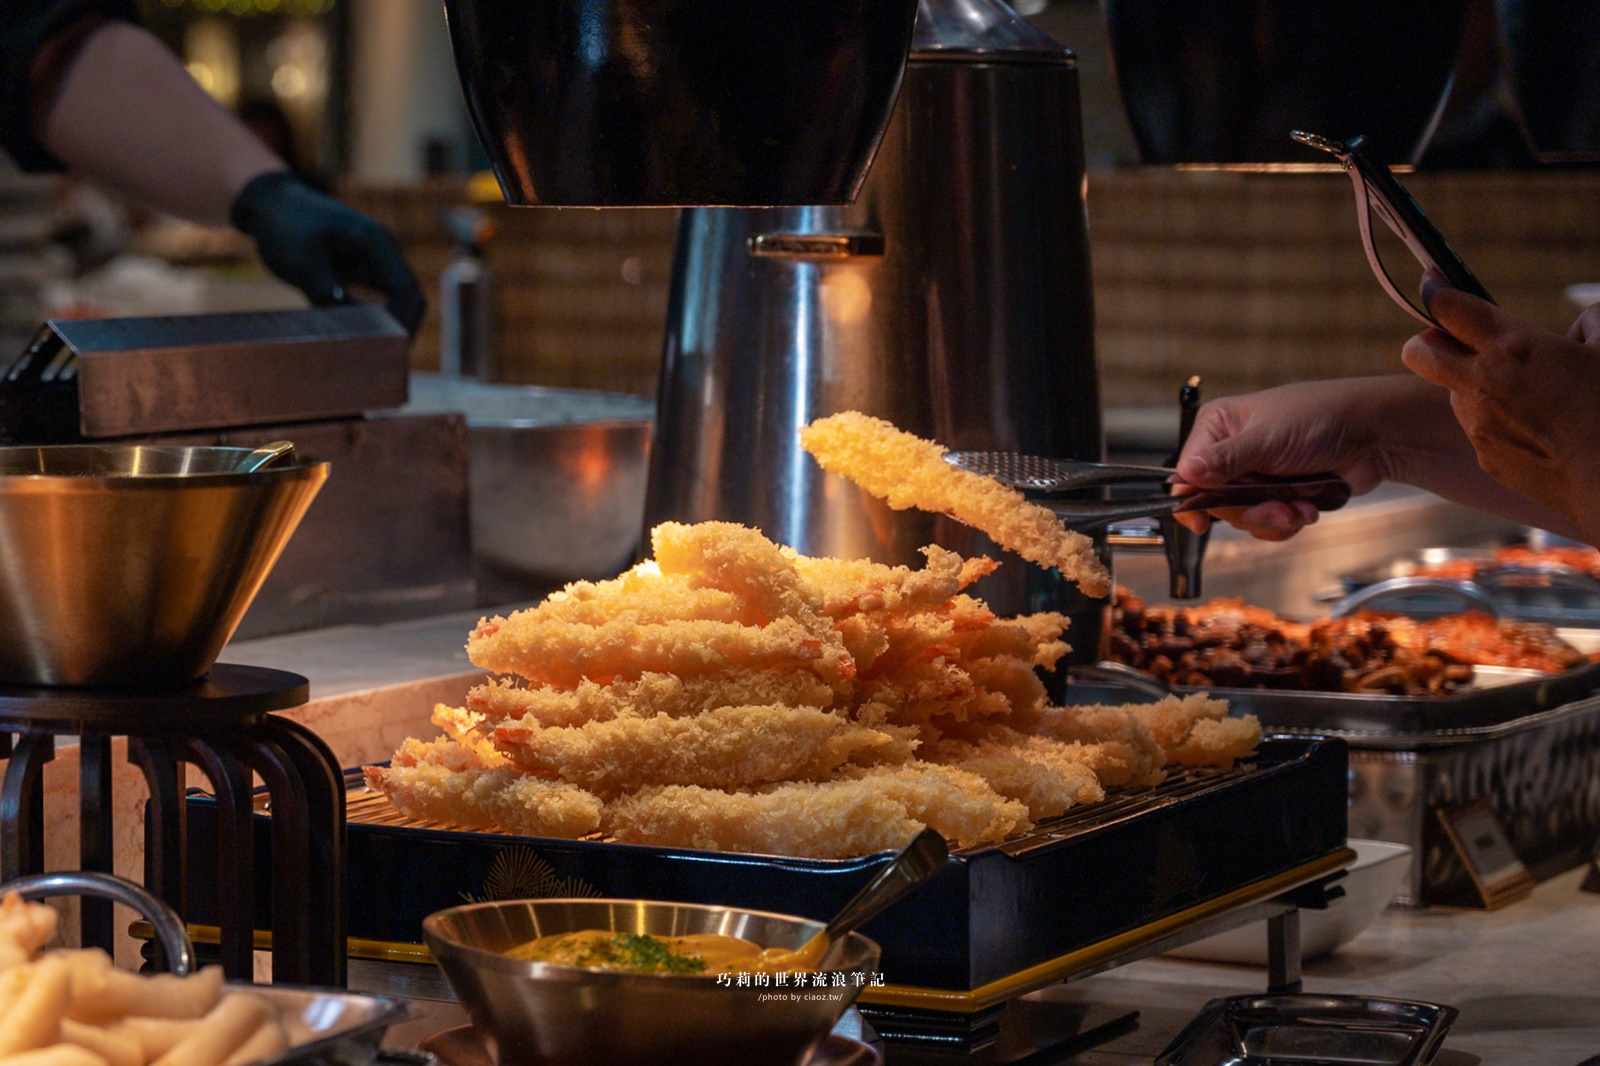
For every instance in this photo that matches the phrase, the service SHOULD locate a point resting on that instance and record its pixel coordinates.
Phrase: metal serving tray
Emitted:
(998, 921)
(328, 1027)
(1539, 770)
(1500, 695)
(1313, 1030)
(1556, 595)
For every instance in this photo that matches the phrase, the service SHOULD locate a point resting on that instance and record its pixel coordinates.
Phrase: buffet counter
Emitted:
(1524, 979)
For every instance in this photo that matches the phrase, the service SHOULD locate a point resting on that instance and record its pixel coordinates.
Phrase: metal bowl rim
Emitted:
(502, 963)
(301, 466)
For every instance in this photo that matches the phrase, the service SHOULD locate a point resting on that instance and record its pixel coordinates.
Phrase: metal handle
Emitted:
(817, 245)
(169, 928)
(1470, 593)
(1326, 494)
(1115, 673)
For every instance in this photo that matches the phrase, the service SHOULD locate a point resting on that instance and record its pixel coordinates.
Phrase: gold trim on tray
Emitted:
(1063, 967)
(941, 999)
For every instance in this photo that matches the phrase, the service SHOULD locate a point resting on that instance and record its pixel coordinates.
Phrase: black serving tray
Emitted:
(1141, 856)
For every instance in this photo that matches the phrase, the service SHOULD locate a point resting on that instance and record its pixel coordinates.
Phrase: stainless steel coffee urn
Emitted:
(952, 298)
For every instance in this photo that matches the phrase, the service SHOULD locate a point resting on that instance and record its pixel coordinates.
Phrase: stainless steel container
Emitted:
(952, 298)
(131, 565)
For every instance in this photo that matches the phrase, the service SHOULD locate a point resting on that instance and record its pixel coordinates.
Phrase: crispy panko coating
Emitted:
(907, 471)
(470, 730)
(733, 694)
(1111, 741)
(851, 586)
(443, 782)
(723, 748)
(501, 700)
(1196, 730)
(739, 560)
(643, 594)
(1041, 775)
(562, 654)
(959, 805)
(827, 820)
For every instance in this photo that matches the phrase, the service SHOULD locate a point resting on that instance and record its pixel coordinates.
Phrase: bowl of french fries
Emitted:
(645, 981)
(61, 1007)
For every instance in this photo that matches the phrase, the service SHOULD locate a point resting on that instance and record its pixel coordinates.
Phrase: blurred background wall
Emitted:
(1248, 279)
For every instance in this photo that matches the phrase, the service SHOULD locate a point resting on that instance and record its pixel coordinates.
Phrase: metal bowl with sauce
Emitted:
(541, 1013)
(127, 564)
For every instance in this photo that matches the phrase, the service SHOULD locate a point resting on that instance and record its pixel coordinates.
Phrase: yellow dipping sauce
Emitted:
(694, 953)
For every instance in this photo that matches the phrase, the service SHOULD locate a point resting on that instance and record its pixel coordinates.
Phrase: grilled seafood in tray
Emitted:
(733, 694)
(1226, 644)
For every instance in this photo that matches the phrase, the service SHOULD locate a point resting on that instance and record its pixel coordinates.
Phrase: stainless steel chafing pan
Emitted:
(326, 1027)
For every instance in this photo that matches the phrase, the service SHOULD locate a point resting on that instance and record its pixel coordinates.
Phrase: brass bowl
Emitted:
(131, 565)
(538, 1013)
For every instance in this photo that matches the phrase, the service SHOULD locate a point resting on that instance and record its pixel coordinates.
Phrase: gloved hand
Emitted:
(320, 245)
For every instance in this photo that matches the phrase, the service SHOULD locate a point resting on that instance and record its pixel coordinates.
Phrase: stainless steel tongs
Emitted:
(1041, 477)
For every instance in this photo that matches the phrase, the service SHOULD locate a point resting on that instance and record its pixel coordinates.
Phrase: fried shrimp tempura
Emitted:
(1111, 741)
(562, 654)
(851, 586)
(828, 820)
(959, 805)
(736, 695)
(470, 730)
(722, 748)
(443, 782)
(739, 560)
(1048, 782)
(500, 700)
(1196, 730)
(907, 471)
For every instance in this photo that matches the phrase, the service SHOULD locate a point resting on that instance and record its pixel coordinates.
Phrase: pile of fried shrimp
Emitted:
(731, 694)
(74, 1008)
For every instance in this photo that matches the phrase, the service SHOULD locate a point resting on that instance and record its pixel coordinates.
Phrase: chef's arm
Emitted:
(112, 102)
(120, 108)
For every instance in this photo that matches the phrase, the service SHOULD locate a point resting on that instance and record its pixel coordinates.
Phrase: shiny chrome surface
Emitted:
(559, 1014)
(659, 102)
(122, 377)
(974, 327)
(1270, 1030)
(557, 476)
(132, 564)
(1037, 473)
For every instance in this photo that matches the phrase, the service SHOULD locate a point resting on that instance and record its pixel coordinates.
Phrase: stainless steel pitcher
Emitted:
(952, 298)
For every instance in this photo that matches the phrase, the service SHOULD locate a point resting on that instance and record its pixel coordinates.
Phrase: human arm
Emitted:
(1367, 430)
(122, 109)
(1527, 399)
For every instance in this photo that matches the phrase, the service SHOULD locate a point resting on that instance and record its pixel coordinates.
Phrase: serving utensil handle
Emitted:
(169, 928)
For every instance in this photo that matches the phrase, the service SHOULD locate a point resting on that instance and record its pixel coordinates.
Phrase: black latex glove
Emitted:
(320, 245)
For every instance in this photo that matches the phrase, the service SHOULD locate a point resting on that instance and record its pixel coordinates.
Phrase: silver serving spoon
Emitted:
(265, 455)
(917, 861)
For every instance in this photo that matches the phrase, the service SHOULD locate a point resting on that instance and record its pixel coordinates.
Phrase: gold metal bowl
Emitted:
(538, 1013)
(128, 565)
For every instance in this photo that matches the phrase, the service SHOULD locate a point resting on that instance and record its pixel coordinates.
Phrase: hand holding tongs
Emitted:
(1038, 476)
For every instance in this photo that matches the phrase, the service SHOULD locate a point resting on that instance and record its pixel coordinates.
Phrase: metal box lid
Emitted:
(119, 377)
